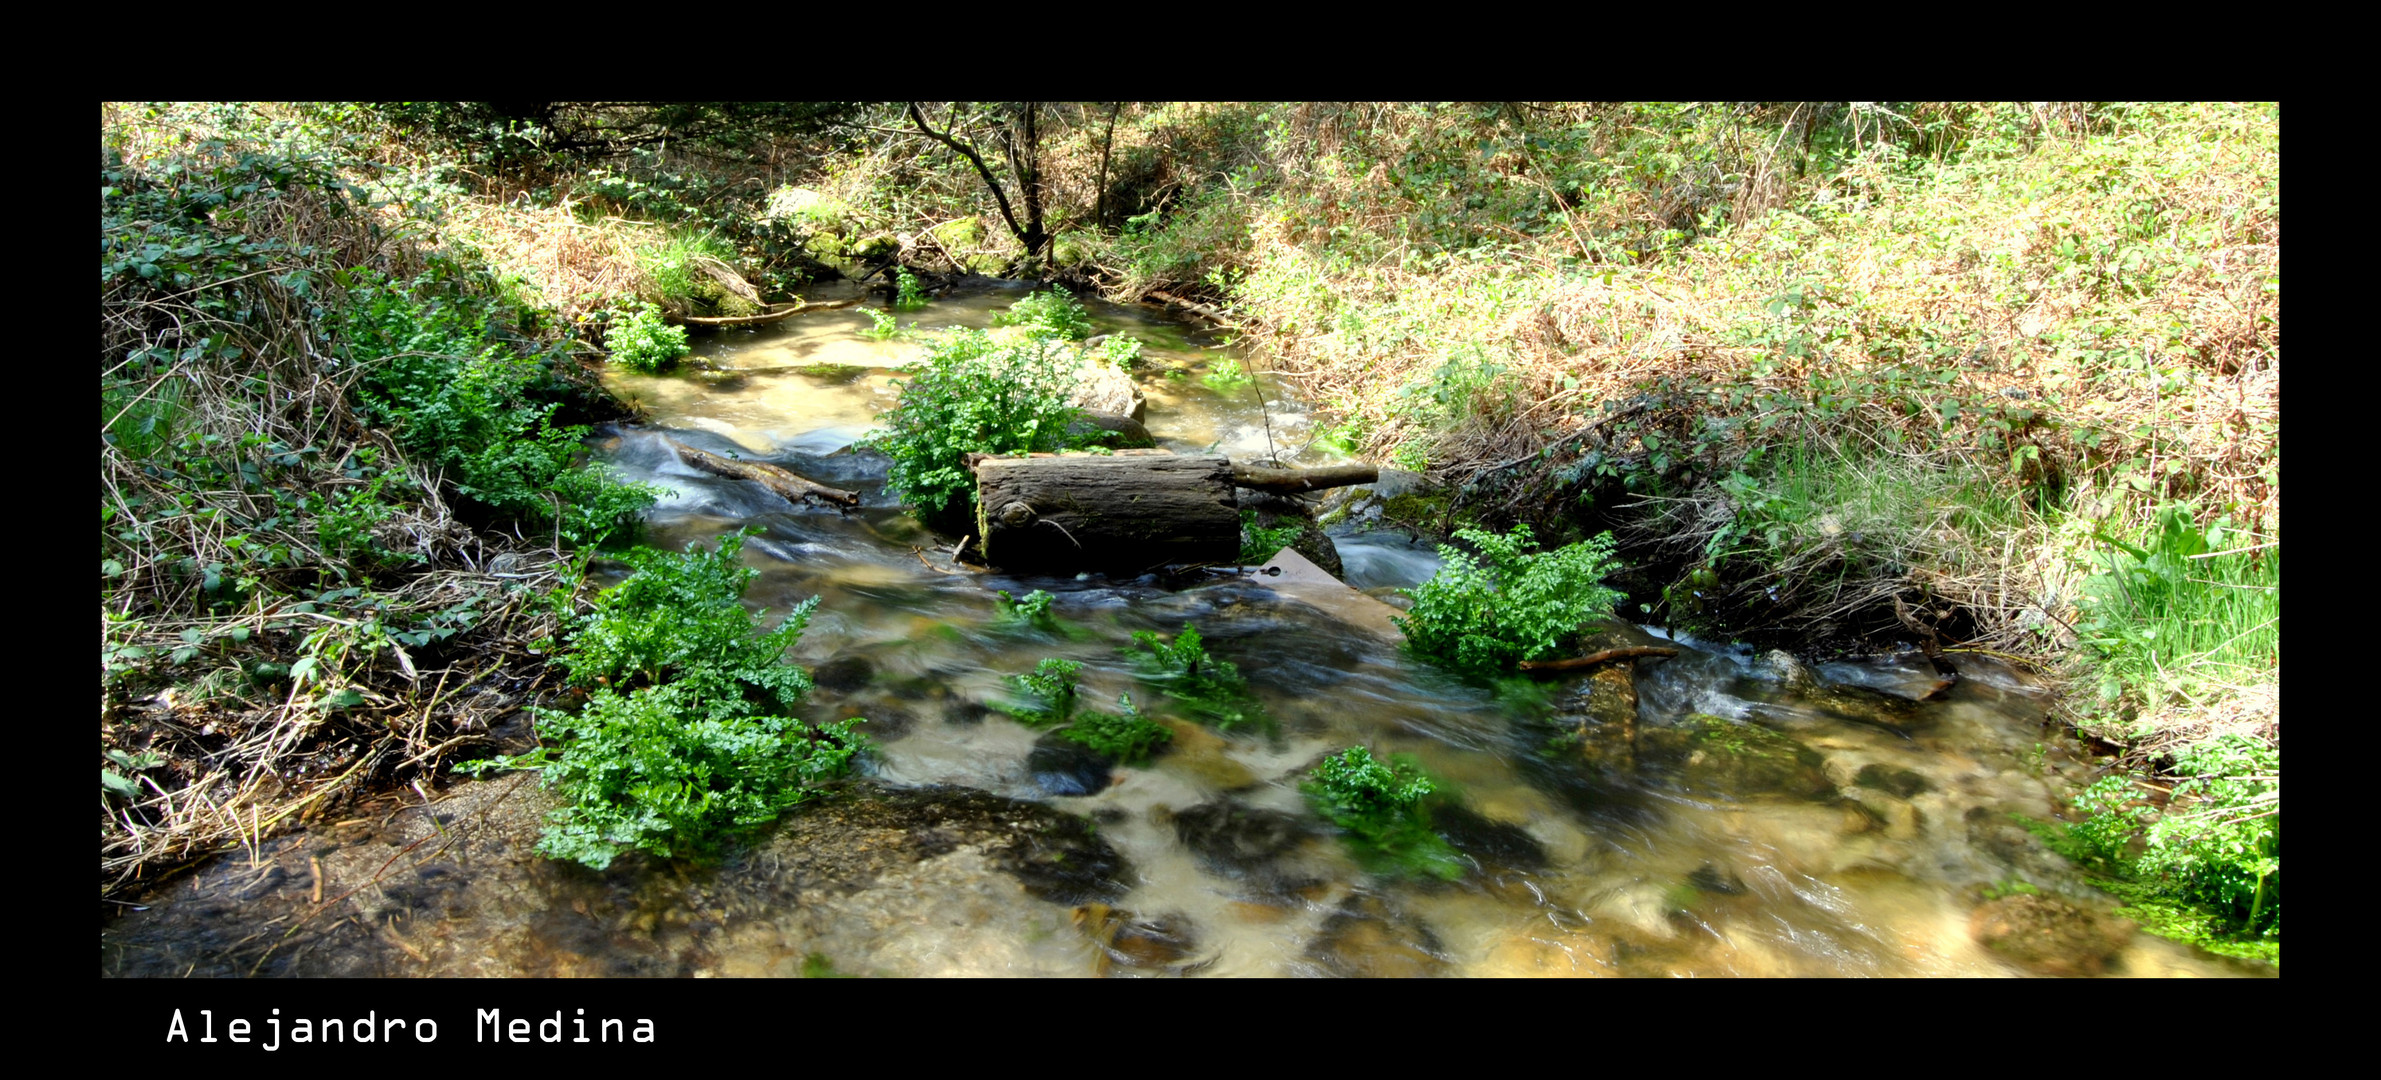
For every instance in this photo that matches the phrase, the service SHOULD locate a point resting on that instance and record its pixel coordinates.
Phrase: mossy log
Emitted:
(1132, 510)
(794, 488)
(1127, 511)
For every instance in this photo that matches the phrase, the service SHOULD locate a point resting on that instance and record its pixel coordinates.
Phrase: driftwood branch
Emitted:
(1192, 306)
(1626, 652)
(1292, 481)
(794, 488)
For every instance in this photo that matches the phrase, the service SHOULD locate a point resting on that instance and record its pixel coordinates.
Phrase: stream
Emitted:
(1873, 839)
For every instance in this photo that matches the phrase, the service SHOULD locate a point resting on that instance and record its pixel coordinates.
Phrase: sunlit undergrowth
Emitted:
(338, 466)
(686, 739)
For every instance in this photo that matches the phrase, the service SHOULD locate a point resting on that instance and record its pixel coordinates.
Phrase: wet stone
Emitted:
(1132, 945)
(844, 674)
(1732, 760)
(1240, 840)
(886, 721)
(2000, 837)
(965, 712)
(2048, 935)
(1274, 511)
(1062, 766)
(1368, 938)
(1901, 783)
(1495, 845)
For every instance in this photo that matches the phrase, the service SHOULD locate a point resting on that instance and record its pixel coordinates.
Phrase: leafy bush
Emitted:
(1046, 694)
(1053, 313)
(1481, 615)
(882, 326)
(644, 340)
(2208, 868)
(1227, 377)
(972, 394)
(1122, 351)
(909, 296)
(685, 739)
(1259, 543)
(476, 410)
(1383, 809)
(1208, 688)
(1126, 735)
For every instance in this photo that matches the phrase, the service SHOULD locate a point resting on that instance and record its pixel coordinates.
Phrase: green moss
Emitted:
(1426, 509)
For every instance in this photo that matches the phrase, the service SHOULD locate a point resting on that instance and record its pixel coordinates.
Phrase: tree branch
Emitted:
(983, 170)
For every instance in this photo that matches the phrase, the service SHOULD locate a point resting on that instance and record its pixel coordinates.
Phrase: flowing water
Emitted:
(975, 846)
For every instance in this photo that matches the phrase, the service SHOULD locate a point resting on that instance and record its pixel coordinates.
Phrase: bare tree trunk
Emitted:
(1099, 213)
(1030, 234)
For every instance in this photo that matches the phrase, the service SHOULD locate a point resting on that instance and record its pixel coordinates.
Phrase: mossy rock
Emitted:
(1738, 761)
(959, 237)
(1111, 431)
(731, 305)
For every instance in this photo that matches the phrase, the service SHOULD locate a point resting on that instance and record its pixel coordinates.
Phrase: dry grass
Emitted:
(1988, 272)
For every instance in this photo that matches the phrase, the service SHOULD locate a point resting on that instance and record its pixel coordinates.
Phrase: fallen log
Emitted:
(1293, 481)
(1193, 306)
(1122, 511)
(794, 488)
(1626, 652)
(1129, 510)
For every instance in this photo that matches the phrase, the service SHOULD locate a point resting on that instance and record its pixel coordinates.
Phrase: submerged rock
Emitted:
(1239, 840)
(1134, 944)
(1731, 760)
(1902, 783)
(1062, 766)
(1495, 845)
(1368, 938)
(844, 673)
(2049, 935)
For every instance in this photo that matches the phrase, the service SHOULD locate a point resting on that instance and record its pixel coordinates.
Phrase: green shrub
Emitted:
(1383, 809)
(1259, 543)
(644, 340)
(1480, 615)
(477, 411)
(971, 394)
(1053, 313)
(2206, 869)
(1208, 688)
(909, 295)
(1126, 735)
(685, 739)
(1227, 377)
(882, 326)
(1121, 351)
(1045, 695)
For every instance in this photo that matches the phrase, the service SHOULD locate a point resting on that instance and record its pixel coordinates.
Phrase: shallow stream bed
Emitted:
(1761, 819)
